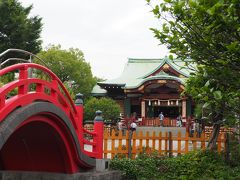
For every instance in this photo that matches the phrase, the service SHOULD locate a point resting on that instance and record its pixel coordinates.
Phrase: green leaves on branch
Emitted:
(206, 105)
(217, 95)
(216, 7)
(17, 28)
(110, 109)
(156, 10)
(234, 46)
(71, 67)
(207, 83)
(207, 32)
(197, 29)
(170, 56)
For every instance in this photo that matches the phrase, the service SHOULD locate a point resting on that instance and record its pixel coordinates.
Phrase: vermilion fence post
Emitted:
(79, 106)
(23, 74)
(79, 122)
(98, 138)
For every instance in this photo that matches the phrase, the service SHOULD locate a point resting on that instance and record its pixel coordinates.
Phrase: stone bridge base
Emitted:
(17, 175)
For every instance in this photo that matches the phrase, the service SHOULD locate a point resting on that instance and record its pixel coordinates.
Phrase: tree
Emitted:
(110, 109)
(17, 29)
(220, 103)
(208, 33)
(71, 67)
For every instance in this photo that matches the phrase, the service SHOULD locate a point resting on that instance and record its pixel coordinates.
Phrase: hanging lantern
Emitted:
(159, 102)
(177, 102)
(149, 102)
(155, 103)
(168, 102)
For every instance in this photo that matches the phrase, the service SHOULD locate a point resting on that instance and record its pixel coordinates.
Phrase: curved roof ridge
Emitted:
(144, 60)
(178, 70)
(160, 65)
(165, 60)
(156, 77)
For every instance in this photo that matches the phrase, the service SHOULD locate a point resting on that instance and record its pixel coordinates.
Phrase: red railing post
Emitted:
(23, 74)
(79, 108)
(98, 138)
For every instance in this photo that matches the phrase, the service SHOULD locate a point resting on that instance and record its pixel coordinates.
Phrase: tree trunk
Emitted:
(213, 140)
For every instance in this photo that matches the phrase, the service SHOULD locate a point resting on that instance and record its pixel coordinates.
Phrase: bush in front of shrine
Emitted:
(194, 165)
(110, 109)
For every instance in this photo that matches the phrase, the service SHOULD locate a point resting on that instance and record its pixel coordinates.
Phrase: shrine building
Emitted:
(148, 87)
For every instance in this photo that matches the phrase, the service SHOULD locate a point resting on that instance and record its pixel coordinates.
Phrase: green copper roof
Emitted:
(98, 91)
(138, 71)
(175, 64)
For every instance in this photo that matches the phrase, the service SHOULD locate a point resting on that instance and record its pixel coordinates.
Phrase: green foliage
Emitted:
(207, 32)
(198, 111)
(70, 90)
(5, 79)
(110, 109)
(143, 167)
(195, 165)
(234, 146)
(198, 29)
(17, 29)
(71, 67)
(217, 100)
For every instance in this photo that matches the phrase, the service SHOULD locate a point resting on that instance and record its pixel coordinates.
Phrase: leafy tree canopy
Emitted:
(71, 67)
(17, 29)
(208, 33)
(110, 109)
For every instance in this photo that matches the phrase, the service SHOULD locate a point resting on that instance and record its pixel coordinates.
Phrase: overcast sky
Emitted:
(107, 31)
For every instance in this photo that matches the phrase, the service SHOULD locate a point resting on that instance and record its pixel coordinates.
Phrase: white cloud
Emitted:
(107, 31)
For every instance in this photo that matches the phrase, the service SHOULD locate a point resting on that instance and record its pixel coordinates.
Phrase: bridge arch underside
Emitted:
(32, 139)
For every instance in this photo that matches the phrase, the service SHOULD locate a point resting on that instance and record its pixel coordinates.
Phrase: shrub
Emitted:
(143, 167)
(195, 165)
(109, 108)
(192, 165)
(234, 152)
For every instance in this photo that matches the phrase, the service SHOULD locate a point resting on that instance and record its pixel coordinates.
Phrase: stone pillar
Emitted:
(143, 113)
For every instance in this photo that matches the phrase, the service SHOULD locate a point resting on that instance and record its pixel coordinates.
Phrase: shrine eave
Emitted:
(110, 85)
(181, 81)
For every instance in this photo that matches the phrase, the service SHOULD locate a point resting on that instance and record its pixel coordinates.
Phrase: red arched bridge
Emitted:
(40, 126)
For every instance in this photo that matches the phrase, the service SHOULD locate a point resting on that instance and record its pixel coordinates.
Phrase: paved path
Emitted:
(174, 130)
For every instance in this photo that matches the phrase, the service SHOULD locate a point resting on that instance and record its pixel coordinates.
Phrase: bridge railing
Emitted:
(91, 140)
(31, 82)
(29, 85)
